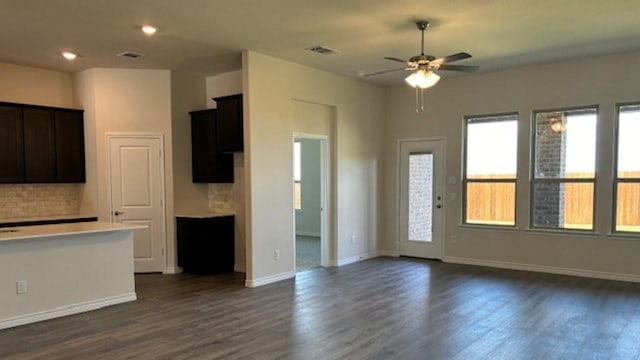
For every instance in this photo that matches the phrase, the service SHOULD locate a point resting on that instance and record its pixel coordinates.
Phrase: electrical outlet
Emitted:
(276, 254)
(21, 287)
(353, 239)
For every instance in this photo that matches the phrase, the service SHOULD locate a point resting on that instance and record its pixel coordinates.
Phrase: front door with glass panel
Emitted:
(421, 217)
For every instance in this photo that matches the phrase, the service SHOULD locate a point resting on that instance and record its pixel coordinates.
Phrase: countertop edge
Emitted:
(60, 230)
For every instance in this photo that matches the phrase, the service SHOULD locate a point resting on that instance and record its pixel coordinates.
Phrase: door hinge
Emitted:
(162, 251)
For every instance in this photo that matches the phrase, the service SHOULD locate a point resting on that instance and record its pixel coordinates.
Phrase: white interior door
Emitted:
(421, 213)
(135, 165)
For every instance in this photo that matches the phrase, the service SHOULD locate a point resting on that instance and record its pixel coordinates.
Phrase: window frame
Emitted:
(615, 179)
(465, 180)
(532, 171)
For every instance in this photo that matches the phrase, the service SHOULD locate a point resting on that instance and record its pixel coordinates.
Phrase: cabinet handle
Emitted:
(117, 213)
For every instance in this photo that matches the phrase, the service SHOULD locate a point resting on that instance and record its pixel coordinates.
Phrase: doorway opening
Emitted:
(309, 169)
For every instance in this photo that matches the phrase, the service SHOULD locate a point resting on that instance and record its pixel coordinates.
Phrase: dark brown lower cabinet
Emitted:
(206, 245)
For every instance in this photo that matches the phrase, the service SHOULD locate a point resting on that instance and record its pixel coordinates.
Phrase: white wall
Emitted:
(308, 218)
(224, 84)
(28, 85)
(124, 101)
(601, 81)
(65, 275)
(270, 85)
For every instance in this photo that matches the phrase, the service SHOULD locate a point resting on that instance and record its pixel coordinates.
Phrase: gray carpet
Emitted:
(307, 252)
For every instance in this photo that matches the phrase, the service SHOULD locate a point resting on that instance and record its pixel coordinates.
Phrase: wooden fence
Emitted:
(494, 202)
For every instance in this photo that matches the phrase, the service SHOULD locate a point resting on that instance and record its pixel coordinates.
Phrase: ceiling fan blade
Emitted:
(395, 59)
(451, 58)
(387, 71)
(465, 68)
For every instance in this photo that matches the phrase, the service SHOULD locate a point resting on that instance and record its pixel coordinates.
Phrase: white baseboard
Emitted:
(269, 279)
(391, 253)
(353, 259)
(308, 233)
(173, 270)
(544, 269)
(66, 310)
(239, 268)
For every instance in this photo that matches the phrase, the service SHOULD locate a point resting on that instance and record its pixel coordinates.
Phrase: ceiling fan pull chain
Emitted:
(417, 110)
(421, 99)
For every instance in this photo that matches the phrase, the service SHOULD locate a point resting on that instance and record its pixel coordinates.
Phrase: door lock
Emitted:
(438, 206)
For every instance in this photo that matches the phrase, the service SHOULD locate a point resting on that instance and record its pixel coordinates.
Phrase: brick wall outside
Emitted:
(548, 199)
(420, 196)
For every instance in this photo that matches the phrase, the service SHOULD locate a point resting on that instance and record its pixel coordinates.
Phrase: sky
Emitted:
(497, 141)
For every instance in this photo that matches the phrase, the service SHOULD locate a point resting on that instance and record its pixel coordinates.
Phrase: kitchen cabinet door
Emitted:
(39, 146)
(69, 141)
(11, 145)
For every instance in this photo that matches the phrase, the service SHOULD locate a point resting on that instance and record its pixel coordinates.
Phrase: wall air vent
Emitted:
(323, 50)
(130, 55)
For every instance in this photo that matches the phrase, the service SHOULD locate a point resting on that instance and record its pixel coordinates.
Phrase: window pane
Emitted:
(628, 207)
(563, 205)
(565, 144)
(297, 169)
(297, 201)
(628, 144)
(420, 196)
(491, 203)
(486, 157)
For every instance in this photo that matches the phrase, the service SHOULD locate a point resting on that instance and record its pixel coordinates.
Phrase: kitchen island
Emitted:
(48, 271)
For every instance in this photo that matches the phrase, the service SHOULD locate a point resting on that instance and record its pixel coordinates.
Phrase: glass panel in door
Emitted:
(420, 197)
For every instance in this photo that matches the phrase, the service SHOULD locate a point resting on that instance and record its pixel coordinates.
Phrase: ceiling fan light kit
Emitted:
(422, 79)
(424, 66)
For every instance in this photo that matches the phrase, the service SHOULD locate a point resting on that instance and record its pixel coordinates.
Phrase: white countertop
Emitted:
(43, 231)
(205, 215)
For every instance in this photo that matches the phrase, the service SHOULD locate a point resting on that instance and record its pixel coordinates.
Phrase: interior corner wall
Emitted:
(522, 90)
(270, 85)
(28, 85)
(230, 83)
(187, 94)
(125, 101)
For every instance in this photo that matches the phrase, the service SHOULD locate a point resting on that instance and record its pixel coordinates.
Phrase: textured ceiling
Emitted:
(208, 35)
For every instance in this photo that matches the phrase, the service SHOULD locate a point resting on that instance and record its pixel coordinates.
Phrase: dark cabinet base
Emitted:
(206, 245)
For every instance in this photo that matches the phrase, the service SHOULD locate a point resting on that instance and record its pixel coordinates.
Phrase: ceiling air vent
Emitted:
(322, 50)
(130, 54)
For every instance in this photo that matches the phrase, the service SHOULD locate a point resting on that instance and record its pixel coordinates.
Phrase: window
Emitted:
(627, 176)
(564, 159)
(489, 178)
(297, 176)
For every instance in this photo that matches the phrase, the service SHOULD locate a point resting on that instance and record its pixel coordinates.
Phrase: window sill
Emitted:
(479, 227)
(623, 236)
(564, 233)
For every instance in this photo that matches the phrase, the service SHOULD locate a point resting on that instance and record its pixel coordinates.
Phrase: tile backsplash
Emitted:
(221, 197)
(37, 200)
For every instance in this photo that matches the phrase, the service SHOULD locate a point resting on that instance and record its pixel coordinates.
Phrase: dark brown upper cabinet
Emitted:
(41, 144)
(229, 130)
(11, 146)
(69, 138)
(208, 164)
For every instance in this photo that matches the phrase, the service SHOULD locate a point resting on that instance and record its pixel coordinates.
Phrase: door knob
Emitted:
(117, 213)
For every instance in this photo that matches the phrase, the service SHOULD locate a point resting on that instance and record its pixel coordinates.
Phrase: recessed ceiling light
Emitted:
(149, 30)
(69, 55)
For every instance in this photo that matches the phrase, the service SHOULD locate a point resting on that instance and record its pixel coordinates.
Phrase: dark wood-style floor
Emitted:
(383, 308)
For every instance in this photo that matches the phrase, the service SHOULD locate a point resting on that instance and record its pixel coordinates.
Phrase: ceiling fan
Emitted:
(425, 65)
